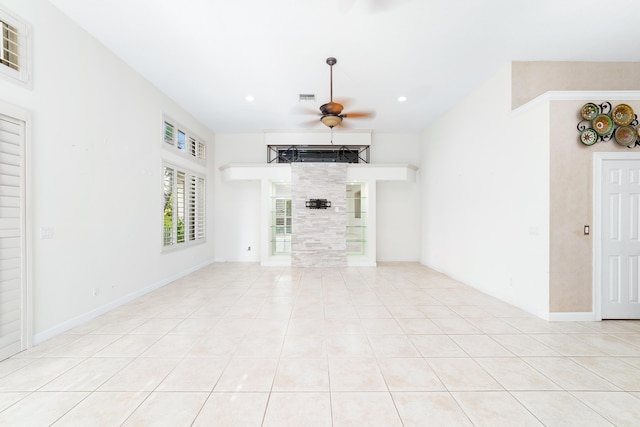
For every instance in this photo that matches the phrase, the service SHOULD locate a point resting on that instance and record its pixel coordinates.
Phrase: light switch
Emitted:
(586, 230)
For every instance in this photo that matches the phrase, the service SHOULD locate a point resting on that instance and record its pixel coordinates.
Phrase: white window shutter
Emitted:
(11, 238)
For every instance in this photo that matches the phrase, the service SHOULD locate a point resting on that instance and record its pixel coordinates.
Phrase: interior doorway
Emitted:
(617, 238)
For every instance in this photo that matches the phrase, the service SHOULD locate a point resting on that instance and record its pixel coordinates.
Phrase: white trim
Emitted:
(578, 95)
(598, 159)
(189, 134)
(360, 263)
(21, 76)
(24, 116)
(587, 316)
(83, 318)
(317, 137)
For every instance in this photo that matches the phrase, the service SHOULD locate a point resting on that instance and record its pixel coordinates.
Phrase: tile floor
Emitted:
(396, 345)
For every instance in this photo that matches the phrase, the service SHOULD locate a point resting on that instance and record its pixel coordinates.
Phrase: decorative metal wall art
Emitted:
(600, 123)
(317, 204)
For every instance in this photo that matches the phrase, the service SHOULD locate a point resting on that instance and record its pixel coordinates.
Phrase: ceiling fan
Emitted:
(331, 113)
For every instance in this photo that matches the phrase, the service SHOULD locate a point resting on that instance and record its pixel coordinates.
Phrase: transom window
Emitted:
(9, 50)
(178, 138)
(13, 48)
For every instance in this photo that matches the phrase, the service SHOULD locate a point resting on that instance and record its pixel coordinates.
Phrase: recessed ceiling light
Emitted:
(249, 98)
(402, 98)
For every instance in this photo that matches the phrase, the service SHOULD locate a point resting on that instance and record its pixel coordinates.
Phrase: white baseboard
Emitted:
(83, 318)
(587, 316)
(363, 263)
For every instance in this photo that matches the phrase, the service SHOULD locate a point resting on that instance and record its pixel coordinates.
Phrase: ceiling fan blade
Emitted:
(360, 115)
(306, 110)
(311, 123)
(345, 125)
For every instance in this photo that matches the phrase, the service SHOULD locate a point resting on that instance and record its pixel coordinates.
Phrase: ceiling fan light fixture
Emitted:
(331, 120)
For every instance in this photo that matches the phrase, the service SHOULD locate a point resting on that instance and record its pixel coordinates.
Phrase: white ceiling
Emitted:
(208, 55)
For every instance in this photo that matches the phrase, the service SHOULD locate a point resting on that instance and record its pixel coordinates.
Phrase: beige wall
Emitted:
(532, 79)
(571, 207)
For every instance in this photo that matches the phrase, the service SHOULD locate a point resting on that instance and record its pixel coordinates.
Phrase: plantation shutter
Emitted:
(12, 278)
(200, 209)
(14, 47)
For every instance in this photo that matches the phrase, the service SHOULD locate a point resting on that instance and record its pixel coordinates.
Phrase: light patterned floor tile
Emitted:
(140, 375)
(38, 373)
(193, 374)
(568, 374)
(614, 370)
(88, 375)
(409, 374)
(437, 346)
(495, 409)
(40, 408)
(302, 375)
(559, 408)
(393, 346)
(103, 409)
(463, 374)
(356, 374)
(248, 375)
(298, 409)
(364, 409)
(429, 408)
(515, 374)
(619, 408)
(480, 346)
(238, 344)
(167, 409)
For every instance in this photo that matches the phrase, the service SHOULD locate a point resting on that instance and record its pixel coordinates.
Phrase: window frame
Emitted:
(189, 146)
(187, 203)
(22, 72)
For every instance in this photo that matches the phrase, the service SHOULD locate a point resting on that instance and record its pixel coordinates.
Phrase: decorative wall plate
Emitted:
(590, 111)
(625, 135)
(588, 136)
(603, 124)
(622, 115)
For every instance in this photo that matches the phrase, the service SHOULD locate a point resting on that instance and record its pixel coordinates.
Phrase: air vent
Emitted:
(307, 97)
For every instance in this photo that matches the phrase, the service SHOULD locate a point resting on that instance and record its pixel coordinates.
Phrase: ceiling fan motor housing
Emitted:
(331, 108)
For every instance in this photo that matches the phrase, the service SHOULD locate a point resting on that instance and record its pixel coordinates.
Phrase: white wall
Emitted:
(398, 202)
(238, 204)
(94, 174)
(238, 225)
(484, 175)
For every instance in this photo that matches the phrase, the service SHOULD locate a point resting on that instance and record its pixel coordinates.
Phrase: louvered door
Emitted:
(12, 249)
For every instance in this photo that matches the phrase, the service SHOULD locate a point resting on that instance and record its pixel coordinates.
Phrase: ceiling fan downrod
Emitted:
(331, 61)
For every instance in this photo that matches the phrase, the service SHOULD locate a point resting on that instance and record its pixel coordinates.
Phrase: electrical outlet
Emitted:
(249, 248)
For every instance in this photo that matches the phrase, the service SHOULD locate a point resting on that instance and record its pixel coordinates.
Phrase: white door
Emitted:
(620, 238)
(12, 238)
